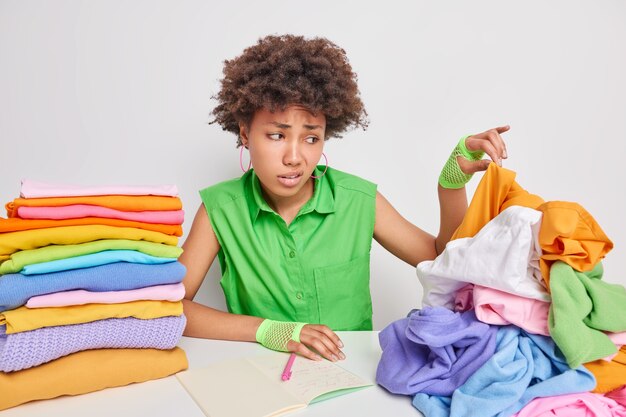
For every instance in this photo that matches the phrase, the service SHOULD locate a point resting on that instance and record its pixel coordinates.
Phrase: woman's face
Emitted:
(285, 146)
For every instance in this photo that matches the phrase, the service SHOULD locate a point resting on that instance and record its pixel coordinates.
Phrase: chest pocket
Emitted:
(343, 295)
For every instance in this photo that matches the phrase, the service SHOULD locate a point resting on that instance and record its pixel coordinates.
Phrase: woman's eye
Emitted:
(312, 139)
(275, 136)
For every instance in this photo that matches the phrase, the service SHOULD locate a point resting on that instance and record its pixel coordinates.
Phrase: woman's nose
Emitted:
(292, 154)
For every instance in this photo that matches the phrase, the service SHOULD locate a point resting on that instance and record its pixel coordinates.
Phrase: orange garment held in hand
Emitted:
(496, 192)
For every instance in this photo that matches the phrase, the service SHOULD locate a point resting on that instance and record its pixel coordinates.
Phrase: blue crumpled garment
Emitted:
(525, 366)
(433, 351)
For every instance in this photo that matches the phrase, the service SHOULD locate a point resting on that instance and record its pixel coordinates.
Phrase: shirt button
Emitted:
(292, 254)
(299, 296)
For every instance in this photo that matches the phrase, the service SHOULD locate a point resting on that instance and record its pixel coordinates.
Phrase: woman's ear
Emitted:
(243, 134)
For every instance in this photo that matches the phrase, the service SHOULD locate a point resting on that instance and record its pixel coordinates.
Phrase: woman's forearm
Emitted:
(209, 323)
(452, 208)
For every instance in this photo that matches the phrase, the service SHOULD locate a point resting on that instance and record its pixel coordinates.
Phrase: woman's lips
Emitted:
(290, 180)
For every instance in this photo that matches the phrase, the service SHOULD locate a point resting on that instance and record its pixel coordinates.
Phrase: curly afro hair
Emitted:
(284, 70)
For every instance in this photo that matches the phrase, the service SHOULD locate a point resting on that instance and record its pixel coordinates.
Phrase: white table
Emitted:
(166, 397)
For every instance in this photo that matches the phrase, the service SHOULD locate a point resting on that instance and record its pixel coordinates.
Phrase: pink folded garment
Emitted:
(167, 292)
(78, 211)
(584, 404)
(498, 307)
(501, 308)
(37, 189)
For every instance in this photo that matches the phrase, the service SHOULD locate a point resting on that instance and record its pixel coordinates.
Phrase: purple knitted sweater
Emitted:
(27, 349)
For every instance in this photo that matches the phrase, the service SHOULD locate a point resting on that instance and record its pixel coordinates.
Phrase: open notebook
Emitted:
(253, 387)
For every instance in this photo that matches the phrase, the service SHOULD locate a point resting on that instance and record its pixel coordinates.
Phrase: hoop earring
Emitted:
(241, 161)
(325, 169)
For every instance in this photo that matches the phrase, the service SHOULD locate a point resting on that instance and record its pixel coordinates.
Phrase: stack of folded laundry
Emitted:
(516, 318)
(90, 289)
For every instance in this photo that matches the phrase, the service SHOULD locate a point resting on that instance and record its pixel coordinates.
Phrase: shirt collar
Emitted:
(322, 201)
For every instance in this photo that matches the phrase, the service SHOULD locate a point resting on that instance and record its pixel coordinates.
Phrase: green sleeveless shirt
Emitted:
(316, 270)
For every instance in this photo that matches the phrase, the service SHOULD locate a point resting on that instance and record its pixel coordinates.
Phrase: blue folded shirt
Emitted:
(16, 289)
(94, 259)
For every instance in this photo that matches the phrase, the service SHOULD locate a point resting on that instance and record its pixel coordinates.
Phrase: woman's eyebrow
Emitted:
(279, 125)
(286, 126)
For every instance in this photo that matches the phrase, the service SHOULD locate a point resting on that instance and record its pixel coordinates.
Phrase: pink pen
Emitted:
(286, 376)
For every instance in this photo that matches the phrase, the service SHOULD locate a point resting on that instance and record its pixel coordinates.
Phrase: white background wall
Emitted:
(106, 92)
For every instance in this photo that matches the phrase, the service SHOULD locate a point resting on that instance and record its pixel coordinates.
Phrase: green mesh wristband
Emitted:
(276, 334)
(451, 175)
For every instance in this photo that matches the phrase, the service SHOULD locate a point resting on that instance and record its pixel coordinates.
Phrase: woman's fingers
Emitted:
(497, 142)
(503, 129)
(491, 142)
(323, 340)
(323, 345)
(471, 167)
(302, 350)
(330, 342)
(485, 144)
(329, 333)
(504, 153)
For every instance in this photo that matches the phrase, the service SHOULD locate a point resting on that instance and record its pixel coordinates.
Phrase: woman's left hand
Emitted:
(490, 142)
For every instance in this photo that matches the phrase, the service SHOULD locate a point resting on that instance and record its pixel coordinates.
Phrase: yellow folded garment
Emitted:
(71, 235)
(23, 319)
(88, 371)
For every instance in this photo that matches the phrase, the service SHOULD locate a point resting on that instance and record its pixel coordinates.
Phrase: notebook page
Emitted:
(236, 388)
(309, 378)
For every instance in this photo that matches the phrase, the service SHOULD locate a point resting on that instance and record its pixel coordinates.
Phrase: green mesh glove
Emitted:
(451, 175)
(276, 334)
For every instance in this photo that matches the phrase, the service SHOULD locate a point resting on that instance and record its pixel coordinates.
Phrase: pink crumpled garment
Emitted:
(618, 395)
(585, 404)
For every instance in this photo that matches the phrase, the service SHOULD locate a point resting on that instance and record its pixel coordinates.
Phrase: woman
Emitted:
(293, 239)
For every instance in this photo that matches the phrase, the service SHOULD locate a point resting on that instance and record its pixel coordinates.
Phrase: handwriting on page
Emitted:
(310, 378)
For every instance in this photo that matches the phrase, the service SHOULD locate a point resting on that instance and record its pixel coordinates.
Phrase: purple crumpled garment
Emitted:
(27, 349)
(433, 351)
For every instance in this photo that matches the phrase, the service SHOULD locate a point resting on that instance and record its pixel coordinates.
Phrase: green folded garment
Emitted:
(583, 308)
(20, 259)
